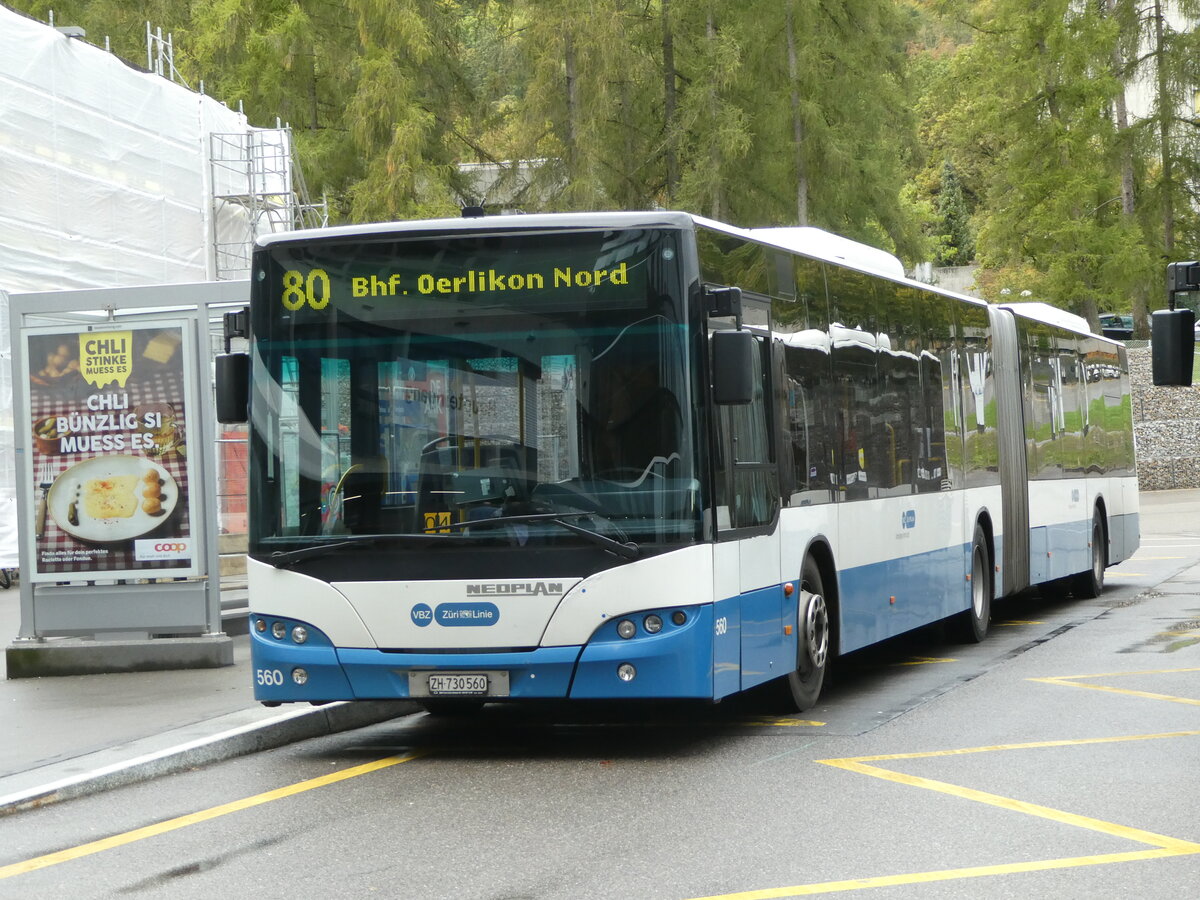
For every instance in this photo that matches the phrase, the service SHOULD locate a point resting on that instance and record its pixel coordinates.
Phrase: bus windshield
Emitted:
(528, 389)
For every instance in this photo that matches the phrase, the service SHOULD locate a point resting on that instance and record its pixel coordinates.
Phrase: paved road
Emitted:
(1057, 759)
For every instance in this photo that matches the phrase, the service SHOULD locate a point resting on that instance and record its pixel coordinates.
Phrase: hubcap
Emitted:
(978, 589)
(816, 628)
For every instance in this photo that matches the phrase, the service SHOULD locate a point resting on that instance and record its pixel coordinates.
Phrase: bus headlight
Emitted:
(299, 634)
(652, 623)
(300, 676)
(626, 672)
(626, 629)
(279, 629)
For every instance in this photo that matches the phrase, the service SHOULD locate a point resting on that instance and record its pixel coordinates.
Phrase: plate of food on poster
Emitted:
(112, 498)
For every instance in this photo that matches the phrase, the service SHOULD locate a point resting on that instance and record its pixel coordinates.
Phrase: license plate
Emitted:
(458, 684)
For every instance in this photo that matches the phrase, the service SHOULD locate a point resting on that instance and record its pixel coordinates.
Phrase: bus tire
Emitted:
(971, 625)
(800, 689)
(1088, 585)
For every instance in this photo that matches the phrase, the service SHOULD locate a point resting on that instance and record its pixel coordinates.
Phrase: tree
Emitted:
(1038, 108)
(956, 246)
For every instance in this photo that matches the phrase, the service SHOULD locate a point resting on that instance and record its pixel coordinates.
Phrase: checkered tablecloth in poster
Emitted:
(81, 558)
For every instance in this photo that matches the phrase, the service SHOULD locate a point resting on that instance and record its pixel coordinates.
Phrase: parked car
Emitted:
(1117, 326)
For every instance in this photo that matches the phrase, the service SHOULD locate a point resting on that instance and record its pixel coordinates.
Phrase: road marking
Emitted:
(858, 884)
(1163, 846)
(859, 764)
(926, 660)
(1073, 681)
(149, 831)
(1145, 558)
(1018, 622)
(1111, 574)
(781, 723)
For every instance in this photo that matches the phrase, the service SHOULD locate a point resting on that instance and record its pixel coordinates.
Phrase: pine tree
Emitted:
(956, 247)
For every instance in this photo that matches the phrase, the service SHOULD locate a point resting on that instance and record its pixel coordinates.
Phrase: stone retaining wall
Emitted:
(1166, 428)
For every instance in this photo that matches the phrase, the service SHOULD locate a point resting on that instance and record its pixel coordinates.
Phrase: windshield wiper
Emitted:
(626, 550)
(282, 559)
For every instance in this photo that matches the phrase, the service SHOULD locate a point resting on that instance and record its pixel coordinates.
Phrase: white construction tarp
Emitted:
(105, 181)
(103, 169)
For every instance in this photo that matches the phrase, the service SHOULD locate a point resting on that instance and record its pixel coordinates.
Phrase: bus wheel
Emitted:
(1089, 584)
(971, 625)
(801, 688)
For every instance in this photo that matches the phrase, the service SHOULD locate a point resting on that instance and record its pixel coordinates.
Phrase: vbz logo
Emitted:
(422, 615)
(908, 519)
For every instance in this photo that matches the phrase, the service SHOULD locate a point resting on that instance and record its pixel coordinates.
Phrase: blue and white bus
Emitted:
(648, 455)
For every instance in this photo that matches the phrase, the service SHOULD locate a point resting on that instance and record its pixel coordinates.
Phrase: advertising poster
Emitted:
(108, 424)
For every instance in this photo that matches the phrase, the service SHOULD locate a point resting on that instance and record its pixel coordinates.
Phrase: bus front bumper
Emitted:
(676, 662)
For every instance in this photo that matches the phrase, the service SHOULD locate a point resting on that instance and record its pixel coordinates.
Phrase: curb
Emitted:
(284, 728)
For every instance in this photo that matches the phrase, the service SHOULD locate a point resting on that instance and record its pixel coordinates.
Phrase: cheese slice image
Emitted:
(113, 497)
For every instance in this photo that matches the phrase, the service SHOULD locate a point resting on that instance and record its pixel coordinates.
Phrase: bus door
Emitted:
(747, 535)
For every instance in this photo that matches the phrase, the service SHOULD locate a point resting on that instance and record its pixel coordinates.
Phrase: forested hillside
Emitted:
(994, 131)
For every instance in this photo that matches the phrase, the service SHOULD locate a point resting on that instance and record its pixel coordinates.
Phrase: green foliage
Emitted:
(957, 130)
(755, 111)
(955, 244)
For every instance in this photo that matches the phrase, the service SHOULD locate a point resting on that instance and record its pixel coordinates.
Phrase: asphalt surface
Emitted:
(71, 736)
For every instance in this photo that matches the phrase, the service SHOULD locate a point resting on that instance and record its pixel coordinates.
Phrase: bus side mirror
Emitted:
(733, 367)
(233, 388)
(1173, 343)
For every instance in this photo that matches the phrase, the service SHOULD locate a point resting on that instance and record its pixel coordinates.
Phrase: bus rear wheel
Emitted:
(1088, 585)
(800, 689)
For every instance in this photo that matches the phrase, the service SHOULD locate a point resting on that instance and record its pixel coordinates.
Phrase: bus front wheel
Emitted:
(801, 688)
(971, 625)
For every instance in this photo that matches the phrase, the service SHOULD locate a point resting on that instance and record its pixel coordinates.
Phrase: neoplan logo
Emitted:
(516, 589)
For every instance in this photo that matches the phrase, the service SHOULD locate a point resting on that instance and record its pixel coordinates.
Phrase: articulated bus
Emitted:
(648, 455)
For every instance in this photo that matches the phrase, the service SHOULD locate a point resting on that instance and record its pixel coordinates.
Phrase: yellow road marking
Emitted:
(149, 831)
(1018, 622)
(859, 764)
(783, 723)
(1163, 846)
(1073, 681)
(857, 884)
(926, 660)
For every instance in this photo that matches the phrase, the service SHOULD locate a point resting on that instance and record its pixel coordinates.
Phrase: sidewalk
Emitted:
(68, 736)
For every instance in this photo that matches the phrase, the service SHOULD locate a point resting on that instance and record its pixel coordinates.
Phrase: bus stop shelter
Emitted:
(116, 478)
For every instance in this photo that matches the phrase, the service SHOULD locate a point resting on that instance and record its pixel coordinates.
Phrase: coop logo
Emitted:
(516, 589)
(148, 551)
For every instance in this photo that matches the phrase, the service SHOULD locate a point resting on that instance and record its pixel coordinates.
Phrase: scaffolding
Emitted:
(258, 189)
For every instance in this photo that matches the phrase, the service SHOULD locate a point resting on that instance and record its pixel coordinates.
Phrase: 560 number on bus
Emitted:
(268, 677)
